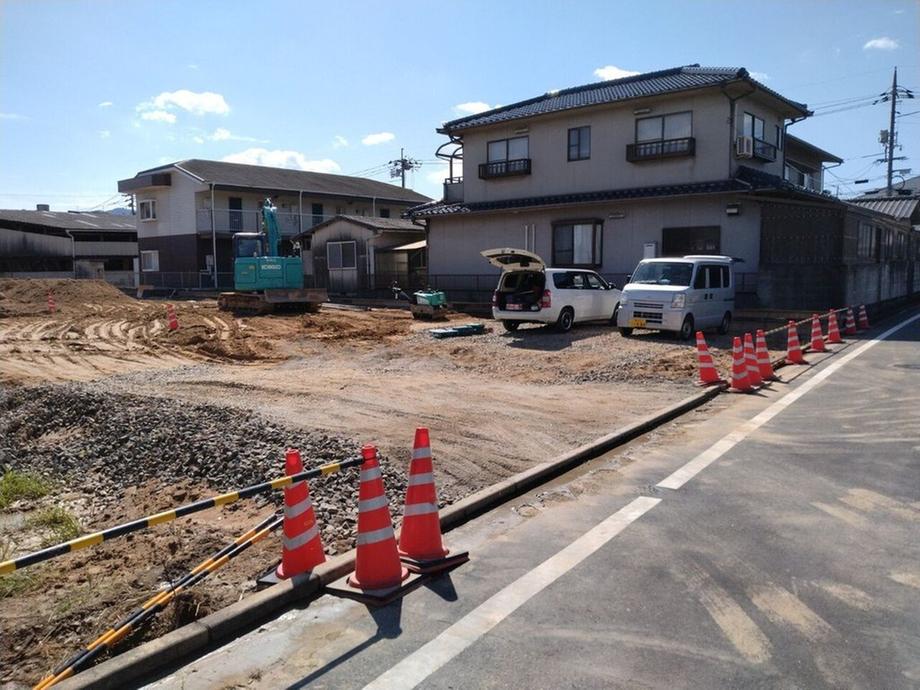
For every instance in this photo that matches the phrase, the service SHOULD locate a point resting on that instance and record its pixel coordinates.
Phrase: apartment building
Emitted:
(188, 211)
(72, 244)
(684, 160)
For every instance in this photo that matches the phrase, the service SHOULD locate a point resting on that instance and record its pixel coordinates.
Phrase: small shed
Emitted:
(351, 255)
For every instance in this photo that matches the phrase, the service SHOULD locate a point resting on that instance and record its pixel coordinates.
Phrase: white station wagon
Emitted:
(528, 292)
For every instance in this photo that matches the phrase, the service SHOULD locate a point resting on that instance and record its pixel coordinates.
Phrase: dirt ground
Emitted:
(495, 403)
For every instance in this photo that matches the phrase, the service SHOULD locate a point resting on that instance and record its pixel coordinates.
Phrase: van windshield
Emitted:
(663, 273)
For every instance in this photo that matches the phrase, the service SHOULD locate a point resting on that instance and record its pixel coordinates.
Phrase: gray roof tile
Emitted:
(648, 84)
(267, 178)
(65, 220)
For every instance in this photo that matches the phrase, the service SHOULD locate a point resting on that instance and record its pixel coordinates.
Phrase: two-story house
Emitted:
(188, 211)
(679, 161)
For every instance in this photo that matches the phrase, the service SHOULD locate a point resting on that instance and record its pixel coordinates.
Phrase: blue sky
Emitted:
(91, 92)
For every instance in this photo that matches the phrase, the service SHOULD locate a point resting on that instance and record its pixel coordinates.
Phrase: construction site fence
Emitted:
(170, 515)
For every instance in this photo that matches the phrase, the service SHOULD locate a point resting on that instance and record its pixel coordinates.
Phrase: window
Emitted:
(577, 243)
(384, 213)
(579, 143)
(148, 209)
(506, 157)
(779, 137)
(317, 211)
(753, 126)
(569, 281)
(663, 273)
(663, 136)
(150, 260)
(341, 255)
(594, 282)
(509, 149)
(664, 127)
(865, 241)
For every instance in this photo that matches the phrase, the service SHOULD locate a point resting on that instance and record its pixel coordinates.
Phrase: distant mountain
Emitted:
(120, 212)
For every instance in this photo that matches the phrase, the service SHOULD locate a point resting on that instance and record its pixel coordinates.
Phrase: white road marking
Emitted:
(416, 667)
(681, 476)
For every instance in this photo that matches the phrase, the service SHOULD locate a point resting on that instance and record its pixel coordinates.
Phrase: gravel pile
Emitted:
(100, 443)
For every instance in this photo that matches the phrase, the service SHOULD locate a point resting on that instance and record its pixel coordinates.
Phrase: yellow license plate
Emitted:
(637, 323)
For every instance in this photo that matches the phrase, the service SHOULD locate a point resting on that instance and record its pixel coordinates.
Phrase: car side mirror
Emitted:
(628, 277)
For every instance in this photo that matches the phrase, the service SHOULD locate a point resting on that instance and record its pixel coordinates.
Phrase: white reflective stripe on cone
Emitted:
(374, 536)
(421, 478)
(372, 473)
(372, 503)
(291, 543)
(298, 508)
(419, 509)
(424, 452)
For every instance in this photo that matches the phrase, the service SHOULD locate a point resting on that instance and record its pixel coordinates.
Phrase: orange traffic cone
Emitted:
(171, 319)
(52, 307)
(302, 549)
(833, 331)
(763, 358)
(793, 350)
(817, 338)
(420, 546)
(750, 361)
(850, 328)
(377, 567)
(708, 373)
(740, 381)
(863, 318)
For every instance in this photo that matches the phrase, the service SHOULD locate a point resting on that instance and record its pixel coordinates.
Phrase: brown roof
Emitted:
(371, 222)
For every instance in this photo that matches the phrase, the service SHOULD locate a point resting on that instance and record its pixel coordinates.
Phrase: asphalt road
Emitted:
(772, 540)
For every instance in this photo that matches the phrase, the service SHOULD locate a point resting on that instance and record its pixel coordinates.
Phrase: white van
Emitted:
(683, 295)
(528, 292)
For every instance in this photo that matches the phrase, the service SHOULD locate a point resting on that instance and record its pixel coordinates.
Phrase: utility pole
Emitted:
(891, 136)
(399, 167)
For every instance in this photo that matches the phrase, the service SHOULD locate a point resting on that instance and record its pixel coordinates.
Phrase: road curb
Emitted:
(233, 620)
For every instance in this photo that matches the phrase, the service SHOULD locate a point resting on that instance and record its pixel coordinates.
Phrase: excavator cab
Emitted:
(248, 244)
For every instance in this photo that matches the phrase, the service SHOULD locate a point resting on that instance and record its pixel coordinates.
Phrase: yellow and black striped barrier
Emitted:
(170, 515)
(158, 602)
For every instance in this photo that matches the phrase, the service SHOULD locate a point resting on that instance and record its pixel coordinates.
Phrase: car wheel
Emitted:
(686, 329)
(616, 312)
(511, 325)
(566, 320)
(626, 332)
(726, 323)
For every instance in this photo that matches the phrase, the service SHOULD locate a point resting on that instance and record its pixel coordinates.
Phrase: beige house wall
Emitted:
(455, 243)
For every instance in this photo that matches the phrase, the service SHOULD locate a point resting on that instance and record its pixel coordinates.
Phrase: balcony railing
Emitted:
(519, 166)
(453, 189)
(764, 150)
(657, 150)
(231, 221)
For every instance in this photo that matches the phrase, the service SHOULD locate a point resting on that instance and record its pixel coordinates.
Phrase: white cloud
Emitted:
(158, 116)
(760, 76)
(472, 108)
(379, 138)
(224, 134)
(104, 134)
(339, 142)
(196, 103)
(192, 66)
(881, 43)
(612, 72)
(106, 104)
(198, 140)
(12, 116)
(279, 158)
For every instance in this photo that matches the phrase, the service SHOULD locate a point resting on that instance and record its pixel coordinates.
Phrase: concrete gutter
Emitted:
(232, 621)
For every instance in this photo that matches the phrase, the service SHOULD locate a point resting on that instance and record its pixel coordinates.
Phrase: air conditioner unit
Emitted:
(744, 147)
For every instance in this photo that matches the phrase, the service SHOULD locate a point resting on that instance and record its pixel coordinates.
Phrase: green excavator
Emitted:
(262, 279)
